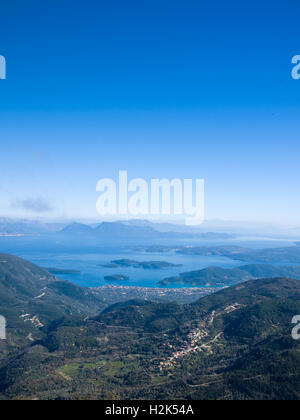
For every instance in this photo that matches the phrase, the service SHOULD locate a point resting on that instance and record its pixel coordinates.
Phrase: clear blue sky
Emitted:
(160, 88)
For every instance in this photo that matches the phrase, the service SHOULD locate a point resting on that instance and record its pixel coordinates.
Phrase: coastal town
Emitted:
(179, 295)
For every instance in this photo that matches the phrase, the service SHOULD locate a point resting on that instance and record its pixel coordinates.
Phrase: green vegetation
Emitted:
(234, 344)
(220, 277)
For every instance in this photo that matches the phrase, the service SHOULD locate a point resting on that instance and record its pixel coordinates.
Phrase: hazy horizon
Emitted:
(208, 224)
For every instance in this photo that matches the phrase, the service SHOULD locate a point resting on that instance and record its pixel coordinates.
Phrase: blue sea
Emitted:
(92, 274)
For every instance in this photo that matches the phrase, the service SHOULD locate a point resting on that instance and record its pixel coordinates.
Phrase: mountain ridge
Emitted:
(233, 344)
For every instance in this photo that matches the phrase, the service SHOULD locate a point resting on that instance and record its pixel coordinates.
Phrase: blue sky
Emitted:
(160, 88)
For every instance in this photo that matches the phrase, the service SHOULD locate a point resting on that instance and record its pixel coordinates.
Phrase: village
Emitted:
(194, 342)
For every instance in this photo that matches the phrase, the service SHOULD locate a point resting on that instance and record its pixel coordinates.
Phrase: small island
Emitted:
(146, 265)
(116, 278)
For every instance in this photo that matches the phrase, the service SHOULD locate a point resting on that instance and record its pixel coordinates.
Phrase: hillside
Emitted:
(220, 277)
(234, 344)
(31, 297)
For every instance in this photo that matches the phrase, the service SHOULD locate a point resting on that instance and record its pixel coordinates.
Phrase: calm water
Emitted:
(92, 275)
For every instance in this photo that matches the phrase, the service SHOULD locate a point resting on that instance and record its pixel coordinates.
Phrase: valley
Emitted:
(68, 342)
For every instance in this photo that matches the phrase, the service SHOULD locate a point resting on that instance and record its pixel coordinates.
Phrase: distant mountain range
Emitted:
(66, 342)
(111, 230)
(126, 232)
(132, 231)
(224, 229)
(28, 227)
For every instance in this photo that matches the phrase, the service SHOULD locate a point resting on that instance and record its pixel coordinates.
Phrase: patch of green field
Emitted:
(72, 370)
(159, 379)
(114, 368)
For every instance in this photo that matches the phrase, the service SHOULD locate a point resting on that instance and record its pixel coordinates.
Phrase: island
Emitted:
(146, 265)
(287, 254)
